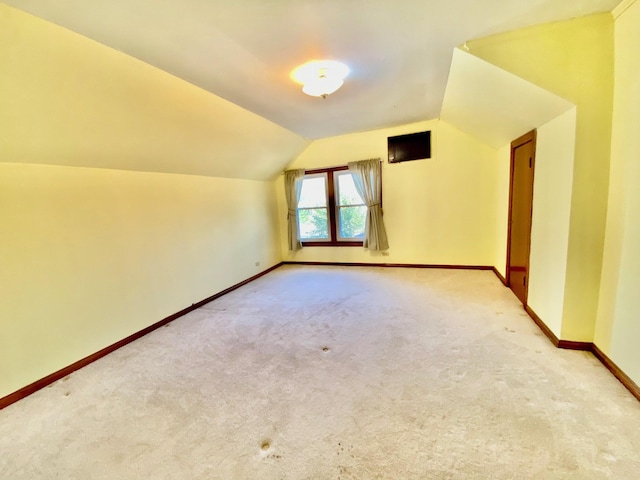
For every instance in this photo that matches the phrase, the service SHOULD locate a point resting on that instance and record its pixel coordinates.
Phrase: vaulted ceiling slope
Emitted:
(67, 100)
(243, 50)
(494, 105)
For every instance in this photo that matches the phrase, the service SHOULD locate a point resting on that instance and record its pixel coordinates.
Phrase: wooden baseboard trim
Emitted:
(500, 277)
(616, 371)
(393, 265)
(546, 330)
(49, 379)
(571, 345)
(564, 344)
(628, 383)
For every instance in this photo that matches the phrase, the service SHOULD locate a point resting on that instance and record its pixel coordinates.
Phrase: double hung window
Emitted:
(330, 210)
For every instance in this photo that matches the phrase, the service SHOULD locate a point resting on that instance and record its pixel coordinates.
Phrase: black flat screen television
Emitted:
(414, 146)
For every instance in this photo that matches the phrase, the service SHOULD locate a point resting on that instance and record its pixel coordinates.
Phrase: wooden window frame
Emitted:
(332, 213)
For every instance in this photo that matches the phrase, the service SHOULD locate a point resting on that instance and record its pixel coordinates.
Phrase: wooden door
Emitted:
(520, 208)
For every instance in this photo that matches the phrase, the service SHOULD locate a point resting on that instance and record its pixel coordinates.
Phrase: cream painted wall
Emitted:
(67, 100)
(90, 256)
(436, 211)
(555, 151)
(573, 59)
(618, 328)
(503, 166)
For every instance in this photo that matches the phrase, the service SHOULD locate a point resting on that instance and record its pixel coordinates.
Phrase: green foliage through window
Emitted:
(313, 224)
(352, 220)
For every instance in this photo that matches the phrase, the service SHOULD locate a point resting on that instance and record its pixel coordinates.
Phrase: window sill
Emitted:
(332, 244)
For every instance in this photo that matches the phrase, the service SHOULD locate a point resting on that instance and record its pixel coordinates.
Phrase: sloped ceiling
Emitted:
(202, 86)
(494, 105)
(243, 50)
(67, 100)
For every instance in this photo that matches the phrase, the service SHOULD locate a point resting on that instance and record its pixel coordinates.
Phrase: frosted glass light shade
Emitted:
(320, 78)
(322, 86)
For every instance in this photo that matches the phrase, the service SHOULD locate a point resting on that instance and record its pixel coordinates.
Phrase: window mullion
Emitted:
(331, 205)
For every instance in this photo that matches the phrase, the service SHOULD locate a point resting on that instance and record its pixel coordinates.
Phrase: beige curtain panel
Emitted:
(292, 189)
(367, 177)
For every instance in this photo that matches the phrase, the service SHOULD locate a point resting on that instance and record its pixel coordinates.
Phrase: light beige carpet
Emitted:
(335, 373)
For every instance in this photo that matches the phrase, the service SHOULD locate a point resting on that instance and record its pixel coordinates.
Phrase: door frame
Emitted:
(527, 137)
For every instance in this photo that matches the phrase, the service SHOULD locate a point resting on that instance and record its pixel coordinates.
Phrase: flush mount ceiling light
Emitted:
(320, 78)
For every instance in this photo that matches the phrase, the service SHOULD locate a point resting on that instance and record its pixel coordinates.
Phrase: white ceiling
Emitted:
(399, 51)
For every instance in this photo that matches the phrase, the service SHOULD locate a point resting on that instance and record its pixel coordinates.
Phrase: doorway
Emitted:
(523, 152)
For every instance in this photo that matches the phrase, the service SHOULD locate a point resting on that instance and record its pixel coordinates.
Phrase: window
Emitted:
(330, 210)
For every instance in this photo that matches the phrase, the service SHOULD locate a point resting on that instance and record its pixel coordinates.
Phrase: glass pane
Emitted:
(314, 192)
(352, 221)
(313, 224)
(347, 193)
